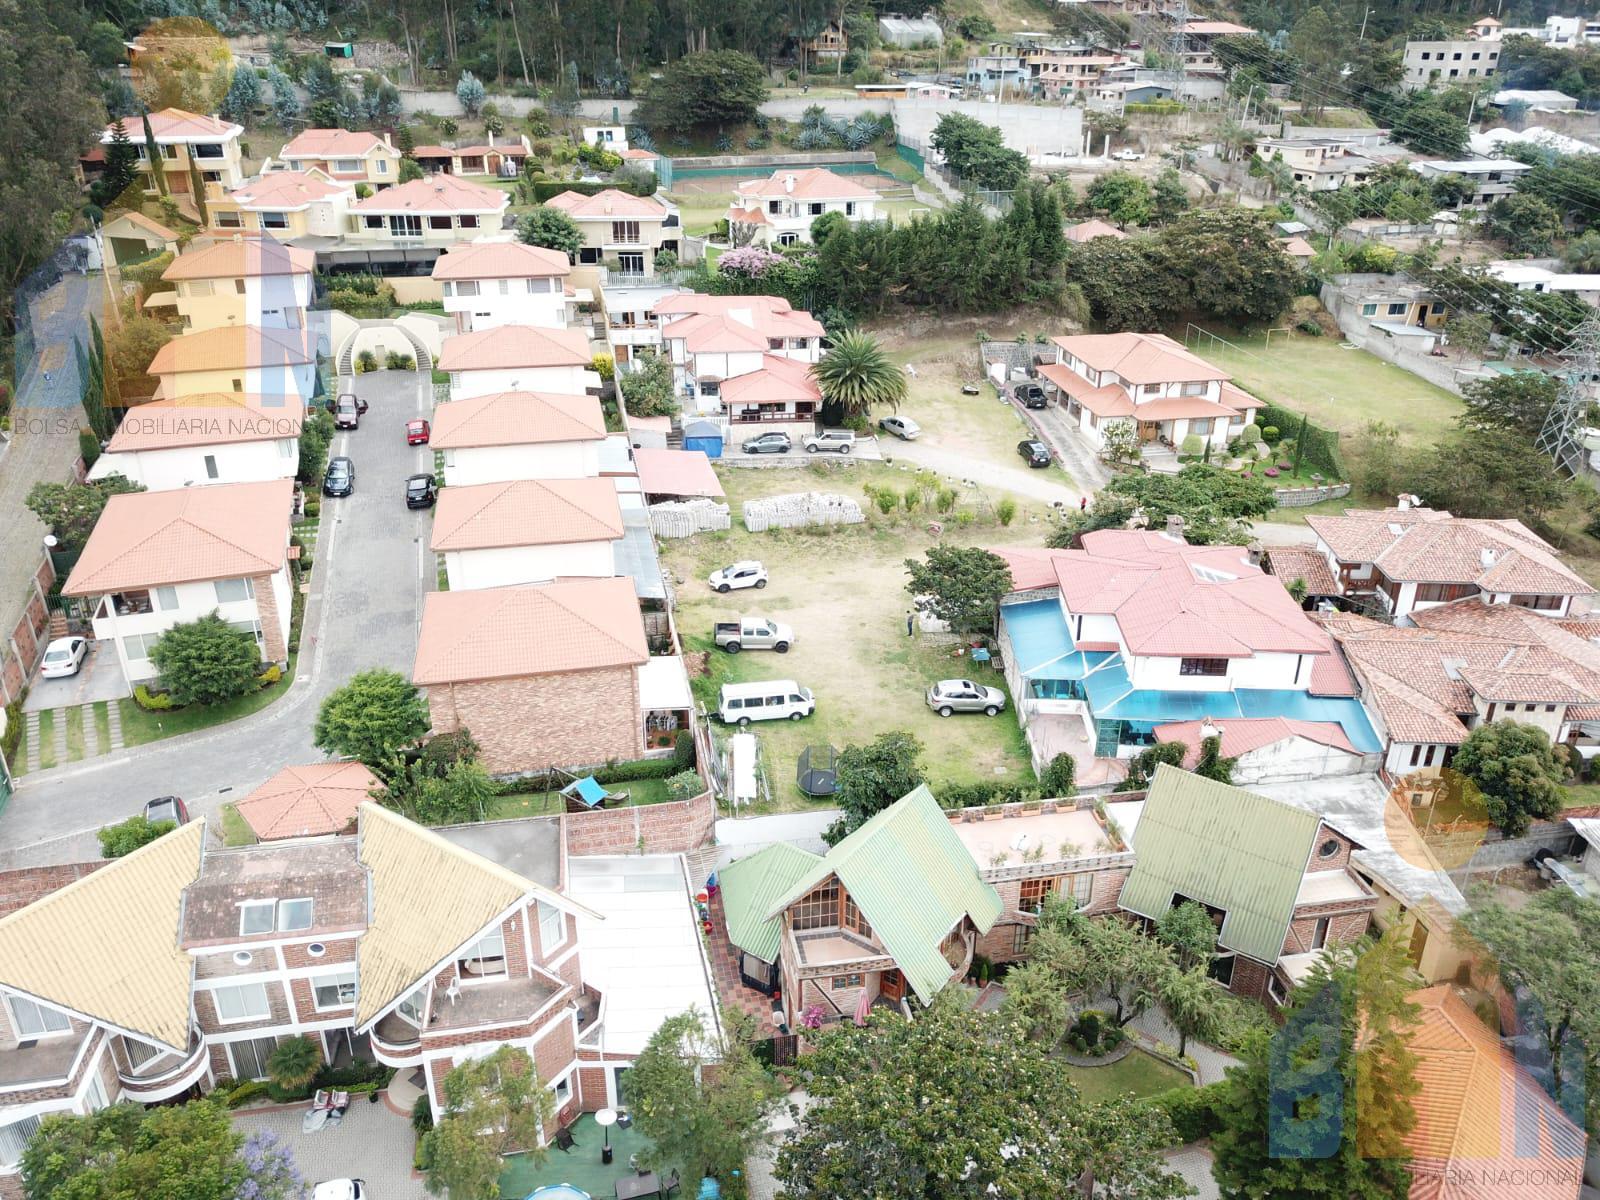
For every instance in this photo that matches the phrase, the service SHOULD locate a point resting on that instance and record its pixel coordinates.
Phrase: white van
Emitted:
(742, 703)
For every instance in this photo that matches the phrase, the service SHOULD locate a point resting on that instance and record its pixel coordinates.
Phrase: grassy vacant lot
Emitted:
(843, 592)
(1138, 1075)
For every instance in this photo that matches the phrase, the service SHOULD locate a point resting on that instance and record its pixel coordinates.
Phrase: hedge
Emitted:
(1318, 447)
(543, 189)
(12, 738)
(1195, 1112)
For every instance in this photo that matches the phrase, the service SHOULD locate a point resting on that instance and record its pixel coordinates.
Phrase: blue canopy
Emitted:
(588, 790)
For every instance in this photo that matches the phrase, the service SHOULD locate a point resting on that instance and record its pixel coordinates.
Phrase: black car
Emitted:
(341, 477)
(768, 443)
(1034, 453)
(1031, 395)
(420, 491)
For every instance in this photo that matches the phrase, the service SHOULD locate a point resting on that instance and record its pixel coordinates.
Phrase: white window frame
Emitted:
(474, 953)
(249, 590)
(242, 989)
(282, 921)
(28, 1126)
(247, 906)
(338, 982)
(549, 945)
(42, 1016)
(233, 1063)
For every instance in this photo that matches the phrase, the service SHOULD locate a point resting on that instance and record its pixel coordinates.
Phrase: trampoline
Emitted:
(558, 1191)
(818, 772)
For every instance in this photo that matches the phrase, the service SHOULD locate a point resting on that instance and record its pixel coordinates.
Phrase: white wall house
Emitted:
(435, 211)
(357, 157)
(779, 210)
(203, 440)
(159, 559)
(630, 329)
(285, 204)
(506, 436)
(238, 282)
(505, 283)
(528, 531)
(608, 137)
(511, 358)
(1489, 179)
(711, 339)
(243, 360)
(621, 229)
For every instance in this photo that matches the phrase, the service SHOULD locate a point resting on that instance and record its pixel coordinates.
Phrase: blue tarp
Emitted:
(586, 790)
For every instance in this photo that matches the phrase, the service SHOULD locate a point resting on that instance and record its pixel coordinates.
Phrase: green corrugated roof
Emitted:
(1225, 847)
(749, 887)
(913, 880)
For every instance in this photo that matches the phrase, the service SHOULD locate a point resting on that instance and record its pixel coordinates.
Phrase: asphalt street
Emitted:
(369, 576)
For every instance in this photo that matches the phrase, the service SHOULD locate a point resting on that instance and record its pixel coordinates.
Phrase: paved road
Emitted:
(1066, 440)
(369, 577)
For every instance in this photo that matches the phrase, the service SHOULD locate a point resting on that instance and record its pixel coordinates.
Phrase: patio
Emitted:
(581, 1166)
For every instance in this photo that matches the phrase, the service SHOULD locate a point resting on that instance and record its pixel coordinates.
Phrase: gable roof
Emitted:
(231, 346)
(304, 801)
(207, 419)
(1243, 736)
(500, 260)
(136, 218)
(333, 143)
(778, 380)
(1225, 847)
(153, 539)
(1087, 231)
(287, 191)
(749, 888)
(57, 948)
(913, 880)
(769, 316)
(511, 632)
(246, 257)
(1139, 357)
(664, 472)
(715, 333)
(526, 512)
(506, 347)
(1307, 564)
(439, 193)
(173, 125)
(516, 419)
(607, 204)
(814, 183)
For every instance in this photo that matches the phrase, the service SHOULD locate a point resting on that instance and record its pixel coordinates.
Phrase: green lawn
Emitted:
(75, 747)
(235, 830)
(47, 739)
(538, 804)
(581, 1166)
(1138, 1075)
(1581, 795)
(102, 726)
(139, 726)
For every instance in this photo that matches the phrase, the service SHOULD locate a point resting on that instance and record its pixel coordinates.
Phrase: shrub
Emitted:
(366, 361)
(1195, 1112)
(294, 1064)
(313, 506)
(395, 361)
(1271, 472)
(946, 499)
(1308, 326)
(1193, 445)
(127, 836)
(248, 1090)
(1251, 434)
(683, 751)
(1087, 1027)
(1270, 433)
(12, 738)
(1006, 511)
(421, 1114)
(270, 676)
(88, 447)
(1060, 777)
(685, 785)
(151, 701)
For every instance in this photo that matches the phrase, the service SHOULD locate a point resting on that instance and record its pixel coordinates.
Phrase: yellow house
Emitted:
(241, 360)
(242, 281)
(284, 204)
(183, 137)
(344, 156)
(437, 211)
(130, 235)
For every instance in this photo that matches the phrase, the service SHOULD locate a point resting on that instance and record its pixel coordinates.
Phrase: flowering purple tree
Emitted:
(273, 1175)
(751, 261)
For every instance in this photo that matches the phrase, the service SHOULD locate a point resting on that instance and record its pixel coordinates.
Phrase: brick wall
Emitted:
(273, 648)
(1249, 979)
(334, 952)
(592, 1088)
(997, 944)
(24, 646)
(674, 828)
(516, 948)
(205, 1009)
(20, 888)
(1344, 926)
(583, 718)
(1336, 861)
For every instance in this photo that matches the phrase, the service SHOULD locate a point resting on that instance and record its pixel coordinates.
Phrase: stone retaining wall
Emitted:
(1307, 496)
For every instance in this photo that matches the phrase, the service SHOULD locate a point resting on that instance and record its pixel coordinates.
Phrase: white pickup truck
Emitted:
(753, 633)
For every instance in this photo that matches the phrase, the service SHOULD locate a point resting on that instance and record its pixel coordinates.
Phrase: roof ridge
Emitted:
(556, 598)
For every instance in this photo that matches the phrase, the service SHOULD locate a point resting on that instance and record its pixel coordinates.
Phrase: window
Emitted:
(1221, 969)
(854, 920)
(208, 150)
(409, 225)
(467, 221)
(1201, 426)
(438, 223)
(625, 231)
(1319, 933)
(1328, 848)
(201, 287)
(372, 222)
(32, 1020)
(211, 466)
(1194, 388)
(383, 166)
(631, 264)
(814, 210)
(1033, 893)
(242, 1002)
(1020, 936)
(250, 1057)
(274, 220)
(1542, 603)
(229, 220)
(94, 1096)
(849, 208)
(819, 910)
(505, 287)
(166, 598)
(1203, 666)
(1369, 310)
(347, 165)
(253, 628)
(1397, 310)
(839, 982)
(256, 916)
(1152, 389)
(238, 385)
(467, 287)
(334, 991)
(552, 927)
(294, 915)
(14, 1140)
(230, 591)
(1444, 592)
(1276, 991)
(138, 1052)
(485, 960)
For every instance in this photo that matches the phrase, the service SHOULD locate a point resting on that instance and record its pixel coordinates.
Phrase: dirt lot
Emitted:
(843, 591)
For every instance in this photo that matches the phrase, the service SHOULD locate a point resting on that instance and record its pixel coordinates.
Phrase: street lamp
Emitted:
(606, 1118)
(1362, 36)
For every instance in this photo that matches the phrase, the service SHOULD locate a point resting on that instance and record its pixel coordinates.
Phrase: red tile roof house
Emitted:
(555, 675)
(181, 966)
(519, 358)
(307, 801)
(222, 437)
(494, 157)
(157, 559)
(505, 283)
(247, 360)
(356, 157)
(504, 436)
(436, 211)
(779, 210)
(495, 535)
(1151, 380)
(622, 228)
(1407, 559)
(284, 204)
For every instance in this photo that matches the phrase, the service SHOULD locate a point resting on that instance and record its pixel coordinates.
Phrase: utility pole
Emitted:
(1562, 435)
(1362, 36)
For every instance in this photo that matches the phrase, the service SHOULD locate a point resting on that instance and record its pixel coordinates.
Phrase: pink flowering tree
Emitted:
(750, 261)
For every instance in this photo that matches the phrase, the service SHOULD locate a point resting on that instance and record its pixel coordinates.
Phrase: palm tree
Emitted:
(295, 1063)
(856, 376)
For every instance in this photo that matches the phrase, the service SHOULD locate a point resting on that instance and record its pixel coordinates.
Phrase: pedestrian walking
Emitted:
(1083, 503)
(910, 623)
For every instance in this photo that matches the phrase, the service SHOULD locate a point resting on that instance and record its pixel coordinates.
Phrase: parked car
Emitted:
(421, 491)
(361, 405)
(346, 415)
(1034, 452)
(1127, 155)
(776, 442)
(962, 695)
(838, 441)
(1559, 874)
(1030, 395)
(902, 427)
(340, 479)
(166, 808)
(749, 573)
(769, 700)
(753, 633)
(341, 1189)
(970, 389)
(418, 433)
(64, 657)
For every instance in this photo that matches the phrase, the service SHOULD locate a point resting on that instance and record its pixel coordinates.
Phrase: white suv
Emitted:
(746, 574)
(837, 440)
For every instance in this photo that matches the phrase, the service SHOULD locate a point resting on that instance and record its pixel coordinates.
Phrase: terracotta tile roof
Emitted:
(1106, 401)
(1586, 628)
(435, 194)
(1289, 563)
(768, 315)
(747, 216)
(1087, 231)
(526, 512)
(208, 419)
(151, 539)
(134, 217)
(638, 155)
(1482, 1120)
(287, 191)
(715, 333)
(512, 632)
(306, 801)
(516, 419)
(1243, 736)
(231, 346)
(815, 183)
(174, 125)
(508, 149)
(1167, 408)
(506, 347)
(1139, 357)
(607, 205)
(433, 152)
(780, 380)
(500, 260)
(1238, 399)
(332, 143)
(676, 473)
(245, 257)
(1298, 247)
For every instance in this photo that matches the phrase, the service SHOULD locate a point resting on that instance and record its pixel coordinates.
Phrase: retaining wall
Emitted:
(1305, 497)
(676, 827)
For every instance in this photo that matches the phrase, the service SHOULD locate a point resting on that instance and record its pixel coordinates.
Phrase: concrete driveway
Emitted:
(371, 570)
(371, 1143)
(100, 678)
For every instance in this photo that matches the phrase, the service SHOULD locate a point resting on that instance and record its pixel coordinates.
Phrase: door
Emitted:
(892, 985)
(1419, 942)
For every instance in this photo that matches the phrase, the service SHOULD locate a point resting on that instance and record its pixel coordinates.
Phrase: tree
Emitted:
(1168, 199)
(1129, 966)
(1526, 224)
(1211, 764)
(1469, 333)
(1517, 403)
(1582, 254)
(294, 1063)
(1516, 770)
(206, 661)
(872, 777)
(70, 510)
(1142, 766)
(492, 1106)
(1036, 1001)
(272, 1172)
(132, 344)
(978, 154)
(960, 585)
(470, 92)
(894, 1129)
(856, 376)
(1487, 475)
(1318, 49)
(285, 101)
(410, 169)
(158, 172)
(122, 167)
(552, 229)
(448, 795)
(1123, 197)
(827, 224)
(1059, 777)
(370, 718)
(702, 1101)
(1188, 929)
(179, 1152)
(1216, 505)
(564, 96)
(713, 88)
(1192, 1002)
(127, 836)
(244, 93)
(316, 436)
(647, 390)
(1232, 262)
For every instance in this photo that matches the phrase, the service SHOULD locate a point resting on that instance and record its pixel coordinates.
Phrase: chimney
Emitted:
(1253, 553)
(1175, 525)
(385, 136)
(1402, 502)
(788, 183)
(1486, 557)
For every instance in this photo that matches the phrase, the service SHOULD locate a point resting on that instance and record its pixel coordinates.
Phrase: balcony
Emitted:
(166, 1076)
(41, 1060)
(395, 1041)
(502, 1002)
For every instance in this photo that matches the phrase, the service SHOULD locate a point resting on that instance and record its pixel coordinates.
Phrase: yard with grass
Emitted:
(140, 726)
(235, 830)
(543, 804)
(1138, 1075)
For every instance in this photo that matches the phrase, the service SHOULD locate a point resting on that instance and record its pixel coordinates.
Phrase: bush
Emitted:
(1251, 434)
(151, 701)
(313, 506)
(1270, 433)
(366, 361)
(12, 738)
(206, 661)
(395, 361)
(1193, 445)
(421, 1114)
(1006, 511)
(1195, 1112)
(248, 1090)
(683, 751)
(270, 676)
(685, 785)
(127, 836)
(88, 447)
(1060, 776)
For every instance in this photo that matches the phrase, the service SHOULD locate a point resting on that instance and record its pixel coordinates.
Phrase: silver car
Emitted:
(901, 427)
(962, 695)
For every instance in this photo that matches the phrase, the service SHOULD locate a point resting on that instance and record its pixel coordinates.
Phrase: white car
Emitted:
(901, 427)
(838, 441)
(64, 657)
(738, 575)
(1126, 155)
(341, 1189)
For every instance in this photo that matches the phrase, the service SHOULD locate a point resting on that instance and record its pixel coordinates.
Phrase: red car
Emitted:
(417, 433)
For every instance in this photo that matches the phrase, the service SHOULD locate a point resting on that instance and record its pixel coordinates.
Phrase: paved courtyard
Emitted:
(371, 1143)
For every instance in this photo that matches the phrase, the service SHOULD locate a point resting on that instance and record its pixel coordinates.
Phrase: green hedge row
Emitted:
(1319, 447)
(543, 189)
(682, 759)
(1195, 1112)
